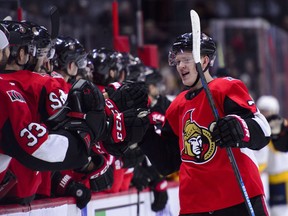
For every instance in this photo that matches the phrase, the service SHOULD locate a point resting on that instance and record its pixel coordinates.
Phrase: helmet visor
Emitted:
(176, 57)
(81, 61)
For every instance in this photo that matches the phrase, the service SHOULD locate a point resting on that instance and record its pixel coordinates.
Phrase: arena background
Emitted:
(251, 34)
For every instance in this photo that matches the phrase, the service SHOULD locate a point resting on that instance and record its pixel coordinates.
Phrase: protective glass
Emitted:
(81, 61)
(51, 53)
(185, 59)
(42, 52)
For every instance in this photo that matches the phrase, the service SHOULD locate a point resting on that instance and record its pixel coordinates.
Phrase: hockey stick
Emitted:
(55, 22)
(195, 22)
(138, 203)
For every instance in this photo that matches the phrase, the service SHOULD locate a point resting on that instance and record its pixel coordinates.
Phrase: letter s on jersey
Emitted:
(57, 101)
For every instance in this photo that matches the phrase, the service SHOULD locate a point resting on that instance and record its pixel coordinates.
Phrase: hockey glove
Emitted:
(230, 131)
(100, 175)
(112, 87)
(133, 156)
(136, 124)
(84, 96)
(66, 186)
(159, 190)
(141, 177)
(276, 123)
(129, 126)
(130, 95)
(83, 113)
(115, 149)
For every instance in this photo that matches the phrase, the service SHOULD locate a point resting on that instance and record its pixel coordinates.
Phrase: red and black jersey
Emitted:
(25, 138)
(44, 94)
(207, 180)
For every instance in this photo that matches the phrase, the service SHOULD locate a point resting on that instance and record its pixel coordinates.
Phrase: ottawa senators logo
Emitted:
(198, 146)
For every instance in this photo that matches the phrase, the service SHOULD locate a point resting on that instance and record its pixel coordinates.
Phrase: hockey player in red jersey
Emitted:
(207, 183)
(24, 49)
(70, 56)
(30, 143)
(47, 95)
(66, 55)
(103, 65)
(109, 69)
(7, 178)
(145, 174)
(116, 67)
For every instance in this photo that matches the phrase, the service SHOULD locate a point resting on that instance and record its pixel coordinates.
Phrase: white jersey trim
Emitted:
(263, 123)
(4, 162)
(54, 149)
(249, 153)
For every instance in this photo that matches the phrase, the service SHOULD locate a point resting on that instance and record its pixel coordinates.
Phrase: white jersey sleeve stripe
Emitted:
(54, 149)
(4, 162)
(261, 120)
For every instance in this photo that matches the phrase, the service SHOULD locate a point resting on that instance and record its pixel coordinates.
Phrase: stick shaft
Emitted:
(228, 149)
(55, 22)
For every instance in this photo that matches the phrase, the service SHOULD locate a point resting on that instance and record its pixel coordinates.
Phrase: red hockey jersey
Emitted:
(44, 95)
(207, 180)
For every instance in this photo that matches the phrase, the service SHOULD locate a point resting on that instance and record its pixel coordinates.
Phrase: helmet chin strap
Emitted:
(198, 77)
(192, 92)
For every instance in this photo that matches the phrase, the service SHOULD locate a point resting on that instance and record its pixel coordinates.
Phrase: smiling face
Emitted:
(185, 66)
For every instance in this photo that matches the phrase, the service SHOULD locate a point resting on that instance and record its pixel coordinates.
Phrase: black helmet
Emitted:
(150, 76)
(184, 43)
(130, 65)
(101, 61)
(41, 40)
(20, 36)
(68, 49)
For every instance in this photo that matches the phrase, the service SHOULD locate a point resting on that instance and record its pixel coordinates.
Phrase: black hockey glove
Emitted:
(84, 97)
(83, 113)
(129, 126)
(130, 95)
(230, 131)
(141, 177)
(66, 186)
(133, 156)
(112, 87)
(161, 105)
(159, 189)
(100, 176)
(145, 174)
(81, 193)
(136, 124)
(125, 129)
(276, 123)
(115, 149)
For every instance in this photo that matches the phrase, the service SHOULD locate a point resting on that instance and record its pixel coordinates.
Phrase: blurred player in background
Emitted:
(277, 163)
